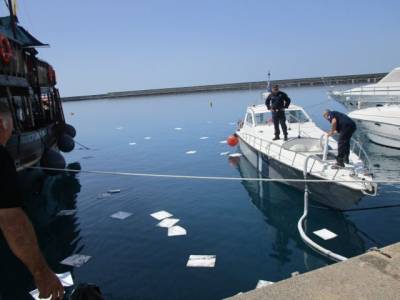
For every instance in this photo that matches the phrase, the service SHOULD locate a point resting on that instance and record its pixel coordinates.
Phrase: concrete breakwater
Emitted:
(255, 85)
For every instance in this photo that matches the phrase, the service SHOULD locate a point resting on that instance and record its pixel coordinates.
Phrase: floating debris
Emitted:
(236, 155)
(325, 234)
(262, 283)
(223, 142)
(76, 260)
(160, 215)
(191, 152)
(66, 281)
(201, 261)
(178, 128)
(176, 231)
(87, 157)
(66, 212)
(119, 128)
(147, 137)
(121, 215)
(204, 138)
(115, 191)
(103, 195)
(132, 144)
(168, 222)
(224, 153)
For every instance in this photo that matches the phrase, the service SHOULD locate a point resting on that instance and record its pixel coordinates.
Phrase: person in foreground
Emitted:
(14, 223)
(345, 126)
(276, 102)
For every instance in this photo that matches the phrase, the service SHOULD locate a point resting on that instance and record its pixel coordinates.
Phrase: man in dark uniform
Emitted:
(276, 102)
(15, 225)
(345, 126)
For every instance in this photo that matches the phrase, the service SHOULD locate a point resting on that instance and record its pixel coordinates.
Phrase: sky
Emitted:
(100, 46)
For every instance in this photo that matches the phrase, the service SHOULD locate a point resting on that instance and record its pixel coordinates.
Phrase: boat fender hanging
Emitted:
(5, 50)
(52, 159)
(66, 143)
(70, 130)
(232, 140)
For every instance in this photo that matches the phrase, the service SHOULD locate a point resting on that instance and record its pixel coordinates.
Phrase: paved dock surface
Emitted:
(374, 275)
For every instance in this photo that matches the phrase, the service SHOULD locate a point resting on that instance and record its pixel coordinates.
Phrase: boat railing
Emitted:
(263, 144)
(380, 90)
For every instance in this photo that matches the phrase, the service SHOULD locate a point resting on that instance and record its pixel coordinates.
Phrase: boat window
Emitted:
(249, 119)
(263, 118)
(296, 116)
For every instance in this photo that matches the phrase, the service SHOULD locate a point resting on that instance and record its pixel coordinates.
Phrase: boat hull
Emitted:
(381, 133)
(27, 148)
(333, 195)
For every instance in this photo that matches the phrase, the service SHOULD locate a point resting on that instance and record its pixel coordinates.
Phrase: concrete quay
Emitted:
(373, 275)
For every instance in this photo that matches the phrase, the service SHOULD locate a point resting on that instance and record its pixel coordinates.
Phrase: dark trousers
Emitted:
(279, 117)
(344, 143)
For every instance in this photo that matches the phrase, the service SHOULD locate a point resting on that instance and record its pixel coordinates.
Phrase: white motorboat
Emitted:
(307, 148)
(385, 91)
(380, 124)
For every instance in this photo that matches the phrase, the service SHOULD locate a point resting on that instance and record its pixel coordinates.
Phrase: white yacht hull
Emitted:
(328, 194)
(382, 134)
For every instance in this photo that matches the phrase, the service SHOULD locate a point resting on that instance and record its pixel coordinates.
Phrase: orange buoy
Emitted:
(232, 140)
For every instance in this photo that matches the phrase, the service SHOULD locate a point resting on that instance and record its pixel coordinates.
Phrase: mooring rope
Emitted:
(219, 178)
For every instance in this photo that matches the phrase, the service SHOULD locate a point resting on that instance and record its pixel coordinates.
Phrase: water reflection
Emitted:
(44, 197)
(282, 206)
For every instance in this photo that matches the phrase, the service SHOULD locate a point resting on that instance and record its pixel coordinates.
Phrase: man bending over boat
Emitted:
(15, 225)
(345, 126)
(276, 102)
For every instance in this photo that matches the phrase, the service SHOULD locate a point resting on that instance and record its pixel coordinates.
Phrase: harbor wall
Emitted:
(255, 85)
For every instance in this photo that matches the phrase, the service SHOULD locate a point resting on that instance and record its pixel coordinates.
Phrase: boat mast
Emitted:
(13, 18)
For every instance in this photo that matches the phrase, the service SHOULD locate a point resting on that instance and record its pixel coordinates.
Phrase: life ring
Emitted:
(6, 52)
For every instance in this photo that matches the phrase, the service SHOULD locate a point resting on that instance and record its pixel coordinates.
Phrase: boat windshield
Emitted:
(292, 116)
(296, 116)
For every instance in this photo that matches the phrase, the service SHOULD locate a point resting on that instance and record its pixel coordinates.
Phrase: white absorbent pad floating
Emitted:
(191, 152)
(176, 231)
(121, 215)
(325, 234)
(235, 155)
(119, 128)
(224, 153)
(223, 142)
(201, 261)
(132, 143)
(204, 137)
(168, 222)
(114, 191)
(160, 215)
(262, 283)
(66, 281)
(66, 212)
(178, 128)
(147, 138)
(76, 260)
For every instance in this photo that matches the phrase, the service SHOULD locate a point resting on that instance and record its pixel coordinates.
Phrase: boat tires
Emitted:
(66, 143)
(70, 130)
(53, 160)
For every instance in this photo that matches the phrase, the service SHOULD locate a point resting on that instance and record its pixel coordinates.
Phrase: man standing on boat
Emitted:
(276, 102)
(345, 126)
(15, 225)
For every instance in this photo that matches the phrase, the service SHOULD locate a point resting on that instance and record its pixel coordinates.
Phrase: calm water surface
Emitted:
(253, 237)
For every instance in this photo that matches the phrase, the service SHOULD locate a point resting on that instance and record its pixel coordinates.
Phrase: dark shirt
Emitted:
(10, 195)
(343, 122)
(278, 101)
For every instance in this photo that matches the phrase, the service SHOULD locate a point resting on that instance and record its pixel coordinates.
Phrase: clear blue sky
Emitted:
(101, 46)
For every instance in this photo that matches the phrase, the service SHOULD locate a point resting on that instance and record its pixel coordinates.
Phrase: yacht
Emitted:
(380, 124)
(385, 91)
(307, 149)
